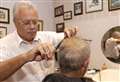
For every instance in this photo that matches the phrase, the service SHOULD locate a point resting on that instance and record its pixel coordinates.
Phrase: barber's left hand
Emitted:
(70, 32)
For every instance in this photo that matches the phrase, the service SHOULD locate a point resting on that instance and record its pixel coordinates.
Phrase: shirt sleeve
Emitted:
(59, 37)
(55, 37)
(3, 52)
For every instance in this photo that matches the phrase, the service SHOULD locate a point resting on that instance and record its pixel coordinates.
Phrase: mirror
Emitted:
(110, 44)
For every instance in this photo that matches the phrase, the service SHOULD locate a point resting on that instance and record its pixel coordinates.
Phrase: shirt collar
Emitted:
(36, 37)
(20, 40)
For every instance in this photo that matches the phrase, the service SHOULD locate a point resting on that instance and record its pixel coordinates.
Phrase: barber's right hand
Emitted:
(40, 52)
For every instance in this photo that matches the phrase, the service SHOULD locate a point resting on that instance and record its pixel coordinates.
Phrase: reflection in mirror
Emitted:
(111, 44)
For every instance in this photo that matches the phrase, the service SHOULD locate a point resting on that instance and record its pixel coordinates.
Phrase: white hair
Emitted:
(22, 3)
(72, 54)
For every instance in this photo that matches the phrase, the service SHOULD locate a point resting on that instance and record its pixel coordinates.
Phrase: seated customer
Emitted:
(73, 58)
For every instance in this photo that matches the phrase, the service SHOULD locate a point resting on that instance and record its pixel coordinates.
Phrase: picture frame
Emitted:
(4, 15)
(40, 25)
(113, 5)
(59, 11)
(93, 6)
(78, 8)
(60, 27)
(3, 31)
(67, 15)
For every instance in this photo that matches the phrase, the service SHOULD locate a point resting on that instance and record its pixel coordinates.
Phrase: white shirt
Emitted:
(111, 48)
(12, 45)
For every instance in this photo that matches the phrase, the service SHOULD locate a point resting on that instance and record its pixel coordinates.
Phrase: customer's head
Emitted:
(73, 55)
(115, 34)
(25, 17)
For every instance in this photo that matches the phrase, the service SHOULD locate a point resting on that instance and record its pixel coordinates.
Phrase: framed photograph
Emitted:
(93, 5)
(3, 31)
(4, 15)
(40, 25)
(59, 11)
(60, 27)
(78, 8)
(113, 5)
(67, 15)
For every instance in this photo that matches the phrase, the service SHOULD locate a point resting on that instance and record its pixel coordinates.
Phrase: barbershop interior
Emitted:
(95, 22)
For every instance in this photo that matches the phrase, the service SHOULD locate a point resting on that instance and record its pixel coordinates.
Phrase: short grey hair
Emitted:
(72, 54)
(21, 4)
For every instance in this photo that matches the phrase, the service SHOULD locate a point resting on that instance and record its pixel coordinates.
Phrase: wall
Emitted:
(92, 26)
(45, 10)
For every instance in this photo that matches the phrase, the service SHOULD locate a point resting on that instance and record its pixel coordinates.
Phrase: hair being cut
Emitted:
(72, 54)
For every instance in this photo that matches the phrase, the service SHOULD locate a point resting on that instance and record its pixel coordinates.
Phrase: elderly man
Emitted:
(27, 55)
(73, 59)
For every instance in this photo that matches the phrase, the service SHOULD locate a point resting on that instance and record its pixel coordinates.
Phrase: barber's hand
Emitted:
(69, 32)
(42, 51)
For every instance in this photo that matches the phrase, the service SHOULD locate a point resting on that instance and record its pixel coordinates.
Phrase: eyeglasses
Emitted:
(29, 22)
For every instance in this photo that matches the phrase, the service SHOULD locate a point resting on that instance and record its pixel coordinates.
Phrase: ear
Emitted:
(82, 71)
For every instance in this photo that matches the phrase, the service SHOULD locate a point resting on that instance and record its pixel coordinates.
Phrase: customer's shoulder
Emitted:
(55, 77)
(86, 79)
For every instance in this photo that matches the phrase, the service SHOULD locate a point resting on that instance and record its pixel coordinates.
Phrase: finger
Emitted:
(46, 50)
(67, 32)
(74, 31)
(51, 47)
(51, 51)
(77, 29)
(41, 50)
